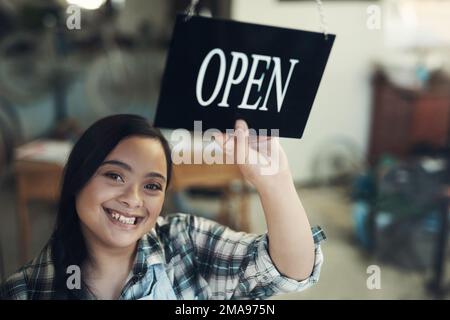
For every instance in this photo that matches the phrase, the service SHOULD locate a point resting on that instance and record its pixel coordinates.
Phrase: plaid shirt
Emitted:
(202, 260)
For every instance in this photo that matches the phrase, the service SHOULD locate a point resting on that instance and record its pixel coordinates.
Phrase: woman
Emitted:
(110, 243)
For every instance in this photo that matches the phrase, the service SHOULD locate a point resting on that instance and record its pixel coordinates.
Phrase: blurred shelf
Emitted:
(403, 118)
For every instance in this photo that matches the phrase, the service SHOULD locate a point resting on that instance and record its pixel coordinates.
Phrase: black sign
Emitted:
(218, 71)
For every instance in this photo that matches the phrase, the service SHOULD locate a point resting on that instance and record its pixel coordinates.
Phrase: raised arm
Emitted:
(291, 245)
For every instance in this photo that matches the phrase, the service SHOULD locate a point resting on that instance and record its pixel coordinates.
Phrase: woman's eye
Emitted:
(153, 186)
(114, 176)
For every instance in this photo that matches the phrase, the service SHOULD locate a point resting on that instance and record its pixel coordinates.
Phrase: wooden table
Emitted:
(34, 181)
(217, 176)
(41, 181)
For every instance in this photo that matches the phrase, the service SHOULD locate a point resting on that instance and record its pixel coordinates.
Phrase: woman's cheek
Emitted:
(154, 207)
(104, 191)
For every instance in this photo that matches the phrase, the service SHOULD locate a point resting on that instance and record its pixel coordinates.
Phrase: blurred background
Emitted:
(372, 168)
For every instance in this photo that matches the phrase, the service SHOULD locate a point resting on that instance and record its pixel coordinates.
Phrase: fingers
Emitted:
(241, 125)
(243, 141)
(241, 146)
(225, 142)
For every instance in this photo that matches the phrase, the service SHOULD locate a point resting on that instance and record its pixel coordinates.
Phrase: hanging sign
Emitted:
(218, 71)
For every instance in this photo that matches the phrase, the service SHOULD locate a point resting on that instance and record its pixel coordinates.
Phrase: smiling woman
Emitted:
(108, 226)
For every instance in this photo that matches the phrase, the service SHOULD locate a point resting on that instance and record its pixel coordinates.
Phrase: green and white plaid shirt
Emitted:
(202, 260)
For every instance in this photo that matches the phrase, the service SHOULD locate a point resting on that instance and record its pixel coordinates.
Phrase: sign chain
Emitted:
(323, 22)
(190, 11)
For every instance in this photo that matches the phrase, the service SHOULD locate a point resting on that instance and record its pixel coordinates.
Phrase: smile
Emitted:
(121, 218)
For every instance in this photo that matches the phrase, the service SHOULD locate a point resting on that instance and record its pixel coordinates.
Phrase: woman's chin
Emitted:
(122, 241)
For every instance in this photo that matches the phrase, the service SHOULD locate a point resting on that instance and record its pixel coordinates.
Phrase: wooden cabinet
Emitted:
(403, 118)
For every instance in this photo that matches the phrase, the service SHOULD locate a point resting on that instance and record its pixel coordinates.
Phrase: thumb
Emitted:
(241, 125)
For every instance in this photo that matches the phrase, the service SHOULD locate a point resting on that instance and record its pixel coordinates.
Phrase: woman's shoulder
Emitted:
(179, 229)
(179, 223)
(177, 218)
(15, 287)
(34, 280)
(173, 224)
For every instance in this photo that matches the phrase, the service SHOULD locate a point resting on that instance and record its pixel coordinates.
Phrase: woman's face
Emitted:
(122, 200)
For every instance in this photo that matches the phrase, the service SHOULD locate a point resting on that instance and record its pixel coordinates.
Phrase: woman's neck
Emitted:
(106, 269)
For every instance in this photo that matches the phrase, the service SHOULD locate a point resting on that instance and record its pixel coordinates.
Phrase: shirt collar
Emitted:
(149, 252)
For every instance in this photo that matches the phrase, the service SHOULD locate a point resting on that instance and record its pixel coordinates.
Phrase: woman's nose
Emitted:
(131, 197)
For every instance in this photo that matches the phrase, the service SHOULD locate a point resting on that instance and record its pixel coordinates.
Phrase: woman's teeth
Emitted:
(122, 219)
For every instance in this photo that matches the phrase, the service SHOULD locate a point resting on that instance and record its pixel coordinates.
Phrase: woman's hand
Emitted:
(261, 159)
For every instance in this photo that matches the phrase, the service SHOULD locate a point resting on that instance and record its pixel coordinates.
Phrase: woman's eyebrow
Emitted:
(119, 164)
(155, 175)
(128, 168)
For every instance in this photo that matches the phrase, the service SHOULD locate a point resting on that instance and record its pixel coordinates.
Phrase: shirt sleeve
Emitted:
(14, 288)
(237, 265)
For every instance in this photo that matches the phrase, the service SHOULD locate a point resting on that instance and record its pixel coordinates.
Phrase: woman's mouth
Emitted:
(118, 217)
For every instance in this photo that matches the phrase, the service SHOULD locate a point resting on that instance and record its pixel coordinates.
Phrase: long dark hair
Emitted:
(67, 242)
